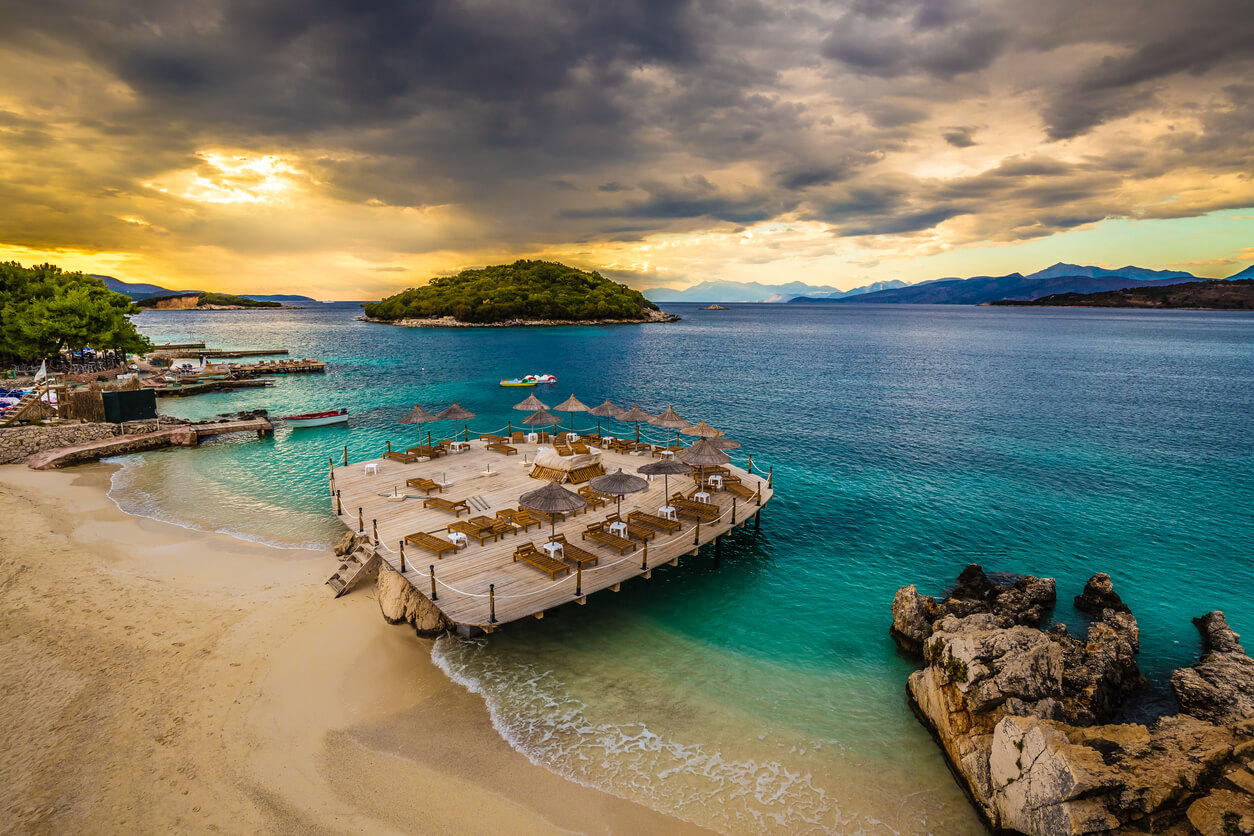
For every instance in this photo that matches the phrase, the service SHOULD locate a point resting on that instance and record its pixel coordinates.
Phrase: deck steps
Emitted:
(354, 567)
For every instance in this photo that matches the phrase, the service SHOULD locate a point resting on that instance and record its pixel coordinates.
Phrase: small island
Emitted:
(522, 293)
(714, 307)
(203, 301)
(1212, 295)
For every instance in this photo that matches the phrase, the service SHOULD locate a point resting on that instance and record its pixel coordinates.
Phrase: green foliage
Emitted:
(522, 290)
(45, 310)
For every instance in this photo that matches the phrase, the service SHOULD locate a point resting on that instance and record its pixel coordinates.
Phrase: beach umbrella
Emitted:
(541, 418)
(570, 406)
(722, 443)
(703, 454)
(634, 416)
(618, 484)
(456, 412)
(702, 429)
(532, 404)
(665, 468)
(552, 499)
(670, 420)
(418, 416)
(605, 410)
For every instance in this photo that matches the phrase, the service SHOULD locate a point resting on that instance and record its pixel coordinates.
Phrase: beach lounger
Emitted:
(425, 485)
(580, 557)
(426, 450)
(501, 527)
(654, 521)
(594, 499)
(456, 506)
(520, 518)
(518, 437)
(562, 450)
(472, 529)
(579, 447)
(528, 553)
(491, 437)
(397, 455)
(637, 532)
(597, 533)
(439, 545)
(738, 489)
(502, 447)
(585, 473)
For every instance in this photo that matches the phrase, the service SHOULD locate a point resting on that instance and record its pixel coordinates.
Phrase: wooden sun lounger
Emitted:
(598, 534)
(491, 437)
(738, 489)
(397, 455)
(562, 450)
(528, 553)
(594, 499)
(637, 532)
(439, 545)
(548, 474)
(456, 506)
(475, 530)
(425, 485)
(426, 450)
(502, 447)
(580, 557)
(583, 474)
(660, 523)
(579, 447)
(518, 437)
(522, 519)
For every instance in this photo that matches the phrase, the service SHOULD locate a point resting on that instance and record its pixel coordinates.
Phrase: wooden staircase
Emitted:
(354, 566)
(14, 413)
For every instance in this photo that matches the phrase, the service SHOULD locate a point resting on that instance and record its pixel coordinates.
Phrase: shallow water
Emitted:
(906, 442)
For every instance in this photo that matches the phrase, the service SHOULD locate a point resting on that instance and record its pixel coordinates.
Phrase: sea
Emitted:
(763, 693)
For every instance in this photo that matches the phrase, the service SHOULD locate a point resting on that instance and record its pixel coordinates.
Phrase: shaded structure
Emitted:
(457, 413)
(570, 406)
(634, 416)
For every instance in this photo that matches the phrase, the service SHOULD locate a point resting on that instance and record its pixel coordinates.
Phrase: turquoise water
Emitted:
(906, 442)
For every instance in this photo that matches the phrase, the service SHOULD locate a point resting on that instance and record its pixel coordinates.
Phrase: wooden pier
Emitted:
(160, 357)
(305, 366)
(481, 586)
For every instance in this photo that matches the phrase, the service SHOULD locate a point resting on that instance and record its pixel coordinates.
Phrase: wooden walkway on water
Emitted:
(463, 579)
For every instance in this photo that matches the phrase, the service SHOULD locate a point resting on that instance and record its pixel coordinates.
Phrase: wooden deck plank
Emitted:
(521, 590)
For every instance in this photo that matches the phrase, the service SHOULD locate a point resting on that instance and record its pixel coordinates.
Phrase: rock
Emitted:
(1223, 813)
(972, 583)
(1099, 594)
(1101, 671)
(912, 618)
(1220, 688)
(400, 602)
(346, 543)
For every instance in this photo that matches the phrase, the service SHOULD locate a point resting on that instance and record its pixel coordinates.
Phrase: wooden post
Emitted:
(578, 578)
(644, 562)
(361, 522)
(339, 505)
(332, 460)
(757, 521)
(402, 557)
(718, 552)
(758, 493)
(374, 525)
(510, 428)
(346, 455)
(434, 596)
(770, 477)
(491, 603)
(751, 465)
(389, 447)
(428, 438)
(696, 538)
(733, 522)
(465, 433)
(332, 483)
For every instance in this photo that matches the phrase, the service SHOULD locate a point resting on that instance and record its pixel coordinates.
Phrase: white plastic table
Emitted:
(619, 528)
(554, 550)
(572, 436)
(701, 496)
(668, 511)
(372, 469)
(715, 481)
(532, 438)
(607, 440)
(458, 539)
(668, 454)
(459, 446)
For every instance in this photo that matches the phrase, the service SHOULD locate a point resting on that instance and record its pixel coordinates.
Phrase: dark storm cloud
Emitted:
(550, 122)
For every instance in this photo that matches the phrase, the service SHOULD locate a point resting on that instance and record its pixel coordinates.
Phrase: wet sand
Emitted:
(161, 679)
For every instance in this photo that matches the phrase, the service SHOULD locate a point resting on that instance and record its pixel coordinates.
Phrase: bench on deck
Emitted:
(654, 521)
(597, 533)
(520, 518)
(455, 506)
(397, 455)
(473, 529)
(502, 447)
(528, 553)
(426, 485)
(638, 532)
(580, 557)
(438, 545)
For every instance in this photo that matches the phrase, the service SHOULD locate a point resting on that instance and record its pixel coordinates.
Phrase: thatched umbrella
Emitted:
(671, 420)
(702, 429)
(456, 412)
(570, 406)
(703, 454)
(605, 410)
(618, 484)
(665, 468)
(418, 416)
(634, 416)
(541, 418)
(530, 405)
(722, 443)
(552, 499)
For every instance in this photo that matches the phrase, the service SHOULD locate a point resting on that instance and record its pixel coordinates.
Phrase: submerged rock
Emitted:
(1024, 715)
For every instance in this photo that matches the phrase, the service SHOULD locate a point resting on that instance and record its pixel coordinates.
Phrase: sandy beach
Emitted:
(159, 679)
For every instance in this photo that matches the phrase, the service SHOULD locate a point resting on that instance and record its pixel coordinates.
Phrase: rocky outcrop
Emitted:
(1021, 599)
(1220, 688)
(1025, 715)
(400, 602)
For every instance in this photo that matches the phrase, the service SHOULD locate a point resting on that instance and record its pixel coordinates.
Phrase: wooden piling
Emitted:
(361, 521)
(434, 596)
(339, 505)
(770, 477)
(644, 561)
(757, 521)
(402, 557)
(346, 455)
(578, 578)
(750, 468)
(374, 524)
(733, 522)
(491, 603)
(696, 538)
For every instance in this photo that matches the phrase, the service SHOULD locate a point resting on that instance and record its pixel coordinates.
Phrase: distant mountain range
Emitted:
(1214, 295)
(758, 292)
(978, 290)
(139, 290)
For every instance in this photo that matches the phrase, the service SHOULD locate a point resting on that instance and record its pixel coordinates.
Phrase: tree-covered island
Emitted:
(522, 293)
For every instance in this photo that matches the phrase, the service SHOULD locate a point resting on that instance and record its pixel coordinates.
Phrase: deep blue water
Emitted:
(906, 442)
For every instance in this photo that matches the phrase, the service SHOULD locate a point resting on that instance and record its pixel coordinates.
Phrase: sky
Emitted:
(347, 149)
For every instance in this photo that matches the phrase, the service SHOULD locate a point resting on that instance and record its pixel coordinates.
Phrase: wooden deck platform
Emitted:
(308, 366)
(521, 590)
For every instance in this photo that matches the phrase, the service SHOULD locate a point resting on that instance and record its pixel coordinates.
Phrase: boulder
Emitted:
(400, 602)
(913, 615)
(1099, 594)
(347, 542)
(1220, 687)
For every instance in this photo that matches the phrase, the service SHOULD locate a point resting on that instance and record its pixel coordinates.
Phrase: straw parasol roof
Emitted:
(530, 405)
(666, 468)
(618, 484)
(669, 419)
(417, 415)
(722, 443)
(634, 415)
(541, 417)
(606, 410)
(571, 404)
(552, 498)
(456, 412)
(704, 454)
(703, 429)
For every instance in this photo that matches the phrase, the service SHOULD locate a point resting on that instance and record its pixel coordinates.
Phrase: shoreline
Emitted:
(174, 679)
(449, 322)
